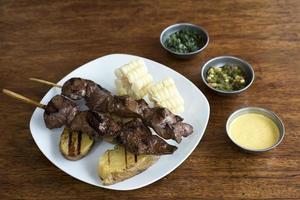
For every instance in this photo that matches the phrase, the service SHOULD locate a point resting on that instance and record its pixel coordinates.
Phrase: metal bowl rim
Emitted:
(263, 110)
(223, 91)
(187, 25)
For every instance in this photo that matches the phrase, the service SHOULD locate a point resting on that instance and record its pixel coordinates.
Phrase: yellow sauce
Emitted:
(254, 131)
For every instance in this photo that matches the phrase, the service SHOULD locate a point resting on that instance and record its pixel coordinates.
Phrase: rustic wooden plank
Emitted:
(49, 39)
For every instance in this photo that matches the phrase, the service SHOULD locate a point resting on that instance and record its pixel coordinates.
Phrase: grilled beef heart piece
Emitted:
(167, 125)
(59, 111)
(103, 124)
(126, 106)
(78, 88)
(80, 124)
(138, 139)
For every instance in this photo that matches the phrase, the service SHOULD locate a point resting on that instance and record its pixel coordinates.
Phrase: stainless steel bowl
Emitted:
(176, 27)
(264, 112)
(222, 60)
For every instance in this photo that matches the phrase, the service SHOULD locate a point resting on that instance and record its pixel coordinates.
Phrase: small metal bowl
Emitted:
(176, 27)
(222, 60)
(264, 112)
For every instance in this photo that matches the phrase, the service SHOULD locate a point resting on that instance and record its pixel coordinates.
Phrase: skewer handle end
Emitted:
(45, 82)
(23, 98)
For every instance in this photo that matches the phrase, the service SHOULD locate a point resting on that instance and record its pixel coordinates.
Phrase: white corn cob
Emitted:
(165, 94)
(133, 79)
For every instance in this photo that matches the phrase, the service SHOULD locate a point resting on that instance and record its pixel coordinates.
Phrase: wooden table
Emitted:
(50, 39)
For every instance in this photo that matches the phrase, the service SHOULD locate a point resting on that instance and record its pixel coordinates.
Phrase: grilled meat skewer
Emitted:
(165, 123)
(137, 138)
(134, 136)
(62, 111)
(58, 112)
(98, 125)
(73, 145)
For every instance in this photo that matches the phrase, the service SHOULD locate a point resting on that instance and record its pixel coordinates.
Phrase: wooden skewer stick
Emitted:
(22, 98)
(45, 82)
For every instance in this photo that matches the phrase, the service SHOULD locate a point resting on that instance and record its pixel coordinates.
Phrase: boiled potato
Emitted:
(74, 145)
(118, 164)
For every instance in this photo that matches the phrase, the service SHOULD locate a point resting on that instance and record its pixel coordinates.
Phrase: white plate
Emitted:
(101, 71)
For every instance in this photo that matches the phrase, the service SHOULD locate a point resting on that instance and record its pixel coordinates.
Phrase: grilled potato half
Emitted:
(74, 145)
(118, 164)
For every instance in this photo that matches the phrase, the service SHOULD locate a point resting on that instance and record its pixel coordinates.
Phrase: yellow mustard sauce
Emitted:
(254, 131)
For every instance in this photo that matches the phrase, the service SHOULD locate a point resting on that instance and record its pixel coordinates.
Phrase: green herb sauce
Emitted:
(226, 78)
(184, 41)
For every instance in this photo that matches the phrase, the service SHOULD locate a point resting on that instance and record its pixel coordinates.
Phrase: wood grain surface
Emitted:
(48, 39)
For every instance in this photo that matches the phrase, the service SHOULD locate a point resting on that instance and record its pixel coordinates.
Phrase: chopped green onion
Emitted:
(184, 41)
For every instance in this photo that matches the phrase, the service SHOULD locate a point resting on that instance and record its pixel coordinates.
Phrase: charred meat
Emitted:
(125, 106)
(59, 111)
(137, 138)
(78, 88)
(168, 125)
(165, 123)
(104, 125)
(80, 124)
(101, 100)
(134, 135)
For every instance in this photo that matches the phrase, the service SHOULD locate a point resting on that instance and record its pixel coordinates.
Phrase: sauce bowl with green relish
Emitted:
(227, 75)
(184, 40)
